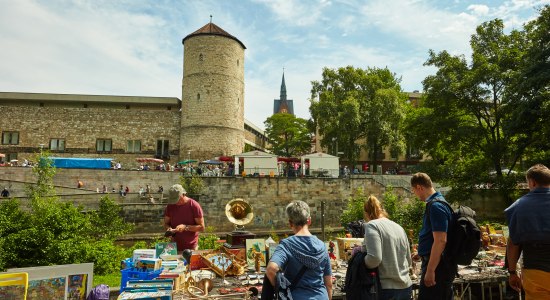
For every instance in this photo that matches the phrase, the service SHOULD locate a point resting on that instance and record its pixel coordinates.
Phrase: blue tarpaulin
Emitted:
(81, 163)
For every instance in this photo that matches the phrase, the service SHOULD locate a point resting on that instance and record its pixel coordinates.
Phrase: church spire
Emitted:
(283, 88)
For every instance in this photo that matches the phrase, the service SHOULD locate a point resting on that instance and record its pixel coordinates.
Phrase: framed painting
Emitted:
(255, 249)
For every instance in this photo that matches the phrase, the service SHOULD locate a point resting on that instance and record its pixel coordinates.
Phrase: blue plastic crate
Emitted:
(126, 264)
(133, 274)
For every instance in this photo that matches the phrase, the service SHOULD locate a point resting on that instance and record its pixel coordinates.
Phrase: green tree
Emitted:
(55, 232)
(359, 108)
(532, 87)
(470, 105)
(288, 135)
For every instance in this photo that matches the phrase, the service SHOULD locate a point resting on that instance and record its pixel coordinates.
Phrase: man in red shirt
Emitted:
(183, 220)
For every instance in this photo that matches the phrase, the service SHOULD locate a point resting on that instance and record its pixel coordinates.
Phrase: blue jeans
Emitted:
(445, 273)
(396, 294)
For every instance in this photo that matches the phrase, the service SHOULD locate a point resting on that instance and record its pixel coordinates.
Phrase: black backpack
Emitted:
(356, 228)
(463, 237)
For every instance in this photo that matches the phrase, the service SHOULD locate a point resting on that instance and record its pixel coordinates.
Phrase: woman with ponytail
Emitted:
(388, 249)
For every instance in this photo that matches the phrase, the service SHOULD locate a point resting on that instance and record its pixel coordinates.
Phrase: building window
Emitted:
(10, 138)
(237, 62)
(103, 145)
(413, 153)
(133, 146)
(127, 106)
(41, 104)
(57, 144)
(201, 57)
(198, 96)
(163, 149)
(85, 105)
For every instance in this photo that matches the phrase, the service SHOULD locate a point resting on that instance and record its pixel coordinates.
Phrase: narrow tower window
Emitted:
(198, 96)
(201, 57)
(237, 62)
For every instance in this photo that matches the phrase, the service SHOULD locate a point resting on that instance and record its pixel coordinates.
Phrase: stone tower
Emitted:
(212, 120)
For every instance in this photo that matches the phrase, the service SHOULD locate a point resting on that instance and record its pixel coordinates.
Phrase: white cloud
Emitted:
(479, 9)
(420, 24)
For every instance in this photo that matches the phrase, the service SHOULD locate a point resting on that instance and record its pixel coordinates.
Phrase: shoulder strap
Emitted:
(298, 277)
(429, 205)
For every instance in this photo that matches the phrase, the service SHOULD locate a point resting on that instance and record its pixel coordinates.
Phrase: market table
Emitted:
(487, 278)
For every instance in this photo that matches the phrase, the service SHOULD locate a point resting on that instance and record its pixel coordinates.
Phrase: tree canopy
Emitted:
(358, 109)
(480, 117)
(53, 232)
(288, 135)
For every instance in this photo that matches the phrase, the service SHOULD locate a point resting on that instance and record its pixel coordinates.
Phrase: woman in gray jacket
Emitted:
(388, 249)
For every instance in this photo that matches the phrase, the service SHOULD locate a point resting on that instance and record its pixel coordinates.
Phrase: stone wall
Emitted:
(268, 196)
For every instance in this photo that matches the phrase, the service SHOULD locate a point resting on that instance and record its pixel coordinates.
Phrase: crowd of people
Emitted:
(389, 249)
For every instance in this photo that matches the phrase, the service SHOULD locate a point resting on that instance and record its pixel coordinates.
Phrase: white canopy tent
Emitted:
(321, 164)
(256, 162)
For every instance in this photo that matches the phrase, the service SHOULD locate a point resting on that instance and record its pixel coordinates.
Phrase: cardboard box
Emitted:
(143, 253)
(148, 264)
(345, 246)
(178, 278)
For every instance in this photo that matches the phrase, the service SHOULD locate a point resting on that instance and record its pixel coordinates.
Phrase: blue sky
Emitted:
(133, 47)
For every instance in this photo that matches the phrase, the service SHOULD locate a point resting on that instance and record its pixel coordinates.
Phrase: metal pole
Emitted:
(323, 220)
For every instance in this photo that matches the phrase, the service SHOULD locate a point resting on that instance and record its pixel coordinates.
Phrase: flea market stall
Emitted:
(321, 165)
(257, 163)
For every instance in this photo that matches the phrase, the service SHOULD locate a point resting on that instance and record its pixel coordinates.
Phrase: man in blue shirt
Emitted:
(529, 226)
(438, 272)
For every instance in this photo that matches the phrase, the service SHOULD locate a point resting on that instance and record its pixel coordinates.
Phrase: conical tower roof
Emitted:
(212, 29)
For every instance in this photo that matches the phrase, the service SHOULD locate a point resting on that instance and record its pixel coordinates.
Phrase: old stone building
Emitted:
(208, 121)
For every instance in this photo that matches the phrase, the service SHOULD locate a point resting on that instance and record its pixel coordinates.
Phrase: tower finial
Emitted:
(210, 18)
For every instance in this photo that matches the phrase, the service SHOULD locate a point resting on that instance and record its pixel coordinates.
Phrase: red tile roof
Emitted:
(212, 29)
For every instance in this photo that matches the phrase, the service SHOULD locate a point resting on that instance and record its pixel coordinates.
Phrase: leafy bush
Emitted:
(407, 214)
(55, 232)
(192, 184)
(354, 210)
(273, 234)
(208, 240)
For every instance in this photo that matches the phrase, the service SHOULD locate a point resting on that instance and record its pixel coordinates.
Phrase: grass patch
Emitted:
(112, 280)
